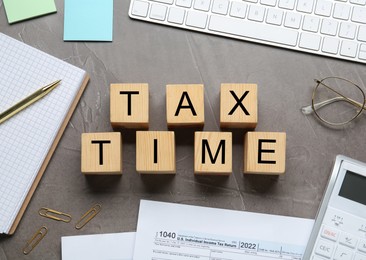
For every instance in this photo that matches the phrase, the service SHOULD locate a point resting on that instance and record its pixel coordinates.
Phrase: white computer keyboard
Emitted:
(335, 28)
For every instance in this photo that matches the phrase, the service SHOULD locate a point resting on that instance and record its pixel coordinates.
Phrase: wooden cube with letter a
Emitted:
(129, 105)
(155, 152)
(265, 152)
(101, 153)
(185, 105)
(212, 153)
(238, 106)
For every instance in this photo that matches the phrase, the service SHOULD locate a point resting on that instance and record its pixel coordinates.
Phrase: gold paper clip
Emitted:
(53, 214)
(89, 215)
(33, 242)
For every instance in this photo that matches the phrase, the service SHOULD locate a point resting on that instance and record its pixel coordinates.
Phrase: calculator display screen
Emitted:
(354, 187)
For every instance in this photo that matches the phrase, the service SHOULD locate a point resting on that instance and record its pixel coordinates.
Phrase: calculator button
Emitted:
(362, 246)
(360, 257)
(324, 248)
(329, 233)
(348, 240)
(317, 258)
(342, 253)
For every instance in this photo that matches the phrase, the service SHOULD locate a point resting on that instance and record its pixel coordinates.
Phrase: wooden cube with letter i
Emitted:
(212, 153)
(155, 152)
(265, 153)
(238, 106)
(101, 153)
(185, 105)
(129, 107)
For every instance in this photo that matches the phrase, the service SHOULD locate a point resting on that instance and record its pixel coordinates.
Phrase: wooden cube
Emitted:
(101, 153)
(265, 153)
(129, 105)
(212, 153)
(185, 105)
(238, 106)
(155, 152)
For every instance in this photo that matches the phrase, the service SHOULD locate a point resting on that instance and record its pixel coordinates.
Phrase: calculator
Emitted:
(339, 232)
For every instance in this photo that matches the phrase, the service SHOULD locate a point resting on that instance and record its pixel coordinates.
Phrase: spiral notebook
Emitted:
(28, 139)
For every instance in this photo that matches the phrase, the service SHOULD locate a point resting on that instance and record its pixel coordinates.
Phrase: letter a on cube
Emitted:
(212, 153)
(265, 153)
(101, 153)
(238, 106)
(129, 105)
(155, 152)
(185, 105)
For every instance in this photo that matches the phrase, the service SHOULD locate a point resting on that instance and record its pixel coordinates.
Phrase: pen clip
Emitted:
(54, 214)
(89, 215)
(36, 238)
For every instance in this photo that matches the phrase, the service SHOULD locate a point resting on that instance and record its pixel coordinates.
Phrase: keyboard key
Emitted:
(341, 11)
(358, 2)
(311, 23)
(360, 257)
(362, 33)
(256, 13)
(253, 30)
(330, 45)
(203, 5)
(184, 3)
(305, 6)
(324, 248)
(220, 6)
(238, 9)
(163, 1)
(269, 2)
(140, 8)
(274, 16)
(362, 244)
(293, 20)
(176, 15)
(329, 27)
(310, 41)
(327, 232)
(359, 14)
(158, 12)
(287, 4)
(347, 30)
(348, 49)
(323, 8)
(348, 240)
(196, 19)
(343, 253)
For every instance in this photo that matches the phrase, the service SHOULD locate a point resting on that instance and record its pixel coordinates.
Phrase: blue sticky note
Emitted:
(88, 20)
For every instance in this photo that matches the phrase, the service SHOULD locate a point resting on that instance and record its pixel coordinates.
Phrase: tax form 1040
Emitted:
(179, 232)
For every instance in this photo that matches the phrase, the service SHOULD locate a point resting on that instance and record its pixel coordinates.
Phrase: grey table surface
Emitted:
(146, 53)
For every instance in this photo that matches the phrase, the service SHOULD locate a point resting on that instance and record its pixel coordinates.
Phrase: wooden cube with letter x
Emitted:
(101, 153)
(238, 106)
(155, 152)
(129, 107)
(185, 105)
(212, 153)
(265, 152)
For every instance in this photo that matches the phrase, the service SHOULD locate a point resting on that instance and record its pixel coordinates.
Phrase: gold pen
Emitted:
(40, 93)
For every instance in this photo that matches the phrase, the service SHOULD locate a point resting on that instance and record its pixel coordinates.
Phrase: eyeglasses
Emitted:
(336, 101)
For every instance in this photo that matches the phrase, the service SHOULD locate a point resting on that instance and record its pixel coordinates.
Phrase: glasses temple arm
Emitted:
(306, 110)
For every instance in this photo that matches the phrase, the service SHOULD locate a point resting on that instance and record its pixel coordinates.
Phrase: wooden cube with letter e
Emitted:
(185, 105)
(238, 106)
(129, 105)
(155, 152)
(212, 153)
(265, 153)
(101, 153)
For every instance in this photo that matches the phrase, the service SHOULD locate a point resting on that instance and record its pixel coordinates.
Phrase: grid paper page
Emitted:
(26, 138)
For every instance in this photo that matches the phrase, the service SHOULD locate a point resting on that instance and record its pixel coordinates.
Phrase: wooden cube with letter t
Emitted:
(265, 152)
(238, 106)
(129, 107)
(185, 105)
(212, 153)
(155, 152)
(101, 153)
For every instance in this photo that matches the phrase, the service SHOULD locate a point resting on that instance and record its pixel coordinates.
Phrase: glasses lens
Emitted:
(337, 101)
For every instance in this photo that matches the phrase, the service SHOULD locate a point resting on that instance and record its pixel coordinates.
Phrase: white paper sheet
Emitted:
(117, 246)
(179, 232)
